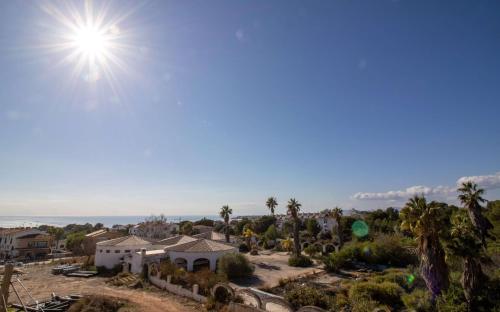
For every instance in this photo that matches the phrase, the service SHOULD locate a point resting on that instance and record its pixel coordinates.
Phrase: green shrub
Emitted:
(235, 265)
(364, 304)
(384, 250)
(300, 296)
(385, 292)
(98, 303)
(300, 261)
(419, 301)
(311, 250)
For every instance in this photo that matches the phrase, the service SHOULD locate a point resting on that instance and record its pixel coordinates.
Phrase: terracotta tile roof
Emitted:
(131, 240)
(179, 239)
(200, 245)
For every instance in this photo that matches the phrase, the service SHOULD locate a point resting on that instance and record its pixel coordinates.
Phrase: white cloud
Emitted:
(405, 194)
(488, 182)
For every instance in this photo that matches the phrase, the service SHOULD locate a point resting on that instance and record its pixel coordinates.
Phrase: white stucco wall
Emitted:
(192, 256)
(112, 258)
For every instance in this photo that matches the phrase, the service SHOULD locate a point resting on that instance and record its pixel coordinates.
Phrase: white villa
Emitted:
(185, 251)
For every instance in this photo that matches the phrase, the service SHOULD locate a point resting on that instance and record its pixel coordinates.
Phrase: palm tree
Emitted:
(425, 220)
(470, 196)
(271, 203)
(465, 242)
(337, 213)
(224, 213)
(293, 209)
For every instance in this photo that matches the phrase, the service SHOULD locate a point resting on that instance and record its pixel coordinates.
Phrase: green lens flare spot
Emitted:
(360, 228)
(410, 278)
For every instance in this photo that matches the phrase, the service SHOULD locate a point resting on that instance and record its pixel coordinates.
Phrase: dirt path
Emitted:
(41, 284)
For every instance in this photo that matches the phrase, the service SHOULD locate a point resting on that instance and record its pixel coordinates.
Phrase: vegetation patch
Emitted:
(235, 266)
(101, 304)
(300, 261)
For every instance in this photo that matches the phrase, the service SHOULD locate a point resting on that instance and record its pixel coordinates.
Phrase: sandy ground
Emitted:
(41, 284)
(270, 267)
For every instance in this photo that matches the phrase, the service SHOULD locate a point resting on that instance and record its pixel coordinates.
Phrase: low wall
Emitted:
(176, 289)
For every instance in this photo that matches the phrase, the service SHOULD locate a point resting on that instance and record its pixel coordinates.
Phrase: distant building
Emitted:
(24, 243)
(215, 236)
(91, 239)
(154, 230)
(200, 229)
(325, 221)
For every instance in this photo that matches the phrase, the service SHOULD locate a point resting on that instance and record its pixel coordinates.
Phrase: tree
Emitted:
(313, 227)
(466, 242)
(337, 213)
(204, 221)
(225, 213)
(187, 228)
(271, 233)
(470, 196)
(293, 210)
(98, 226)
(424, 221)
(263, 223)
(58, 234)
(271, 203)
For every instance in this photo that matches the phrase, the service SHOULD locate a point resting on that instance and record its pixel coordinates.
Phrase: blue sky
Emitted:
(350, 103)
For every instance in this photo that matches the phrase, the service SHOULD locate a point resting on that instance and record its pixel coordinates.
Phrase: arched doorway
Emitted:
(181, 263)
(201, 264)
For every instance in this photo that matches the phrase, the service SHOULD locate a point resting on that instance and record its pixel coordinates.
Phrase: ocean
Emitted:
(108, 221)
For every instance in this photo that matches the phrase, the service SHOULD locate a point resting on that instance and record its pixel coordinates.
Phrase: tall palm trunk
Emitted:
(482, 224)
(339, 234)
(472, 277)
(296, 237)
(227, 231)
(433, 266)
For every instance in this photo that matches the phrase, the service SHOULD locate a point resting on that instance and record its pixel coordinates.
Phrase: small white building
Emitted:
(112, 252)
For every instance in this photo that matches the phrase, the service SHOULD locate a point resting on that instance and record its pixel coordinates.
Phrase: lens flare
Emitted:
(410, 279)
(360, 228)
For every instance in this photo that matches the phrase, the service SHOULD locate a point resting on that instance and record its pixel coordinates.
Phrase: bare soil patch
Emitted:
(41, 284)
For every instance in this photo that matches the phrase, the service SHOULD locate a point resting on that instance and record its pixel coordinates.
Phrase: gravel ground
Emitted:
(41, 284)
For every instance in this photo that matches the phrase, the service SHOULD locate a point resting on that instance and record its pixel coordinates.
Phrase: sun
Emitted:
(89, 41)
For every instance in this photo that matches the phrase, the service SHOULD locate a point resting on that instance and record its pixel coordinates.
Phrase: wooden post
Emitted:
(4, 290)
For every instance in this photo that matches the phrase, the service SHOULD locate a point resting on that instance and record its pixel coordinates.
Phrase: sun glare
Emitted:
(89, 40)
